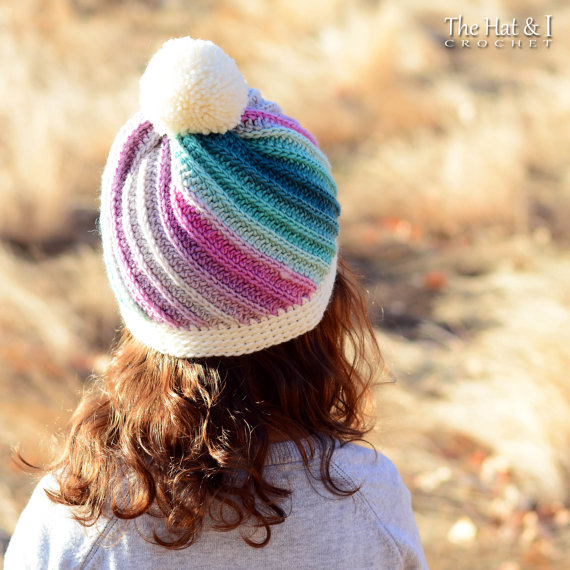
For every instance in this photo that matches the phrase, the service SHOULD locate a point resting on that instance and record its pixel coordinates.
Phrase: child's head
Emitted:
(220, 222)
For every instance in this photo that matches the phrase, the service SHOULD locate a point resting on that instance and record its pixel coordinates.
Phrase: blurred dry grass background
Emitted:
(454, 177)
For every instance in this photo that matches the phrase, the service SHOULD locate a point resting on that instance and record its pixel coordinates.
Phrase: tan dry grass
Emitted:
(55, 312)
(502, 377)
(447, 182)
(415, 130)
(478, 420)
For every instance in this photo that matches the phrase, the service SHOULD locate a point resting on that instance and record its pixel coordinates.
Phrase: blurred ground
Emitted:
(453, 172)
(478, 418)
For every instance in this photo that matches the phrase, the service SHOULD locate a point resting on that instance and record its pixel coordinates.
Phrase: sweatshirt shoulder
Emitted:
(378, 479)
(368, 466)
(47, 536)
(383, 496)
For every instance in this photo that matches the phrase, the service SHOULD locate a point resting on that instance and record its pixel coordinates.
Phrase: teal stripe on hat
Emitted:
(235, 187)
(257, 196)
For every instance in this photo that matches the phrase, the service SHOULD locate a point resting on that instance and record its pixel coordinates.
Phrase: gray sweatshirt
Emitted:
(374, 528)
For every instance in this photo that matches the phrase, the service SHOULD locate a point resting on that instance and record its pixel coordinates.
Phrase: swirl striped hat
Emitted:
(219, 216)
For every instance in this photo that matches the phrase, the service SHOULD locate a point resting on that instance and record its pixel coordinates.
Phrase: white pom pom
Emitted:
(192, 86)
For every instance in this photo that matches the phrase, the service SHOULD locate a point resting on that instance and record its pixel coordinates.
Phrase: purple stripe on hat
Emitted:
(176, 270)
(211, 280)
(281, 120)
(151, 295)
(273, 280)
(161, 291)
(133, 146)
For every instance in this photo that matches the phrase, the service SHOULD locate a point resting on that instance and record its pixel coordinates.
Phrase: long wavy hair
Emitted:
(188, 438)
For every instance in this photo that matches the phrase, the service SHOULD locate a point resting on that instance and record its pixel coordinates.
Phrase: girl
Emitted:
(221, 434)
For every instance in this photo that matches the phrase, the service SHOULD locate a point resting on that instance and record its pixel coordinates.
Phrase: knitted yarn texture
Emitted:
(218, 243)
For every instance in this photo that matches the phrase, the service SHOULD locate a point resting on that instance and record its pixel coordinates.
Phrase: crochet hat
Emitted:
(218, 212)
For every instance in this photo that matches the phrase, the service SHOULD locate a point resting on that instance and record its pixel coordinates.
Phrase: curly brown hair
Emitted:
(190, 437)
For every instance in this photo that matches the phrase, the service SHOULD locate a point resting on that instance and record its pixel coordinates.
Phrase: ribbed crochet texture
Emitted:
(220, 244)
